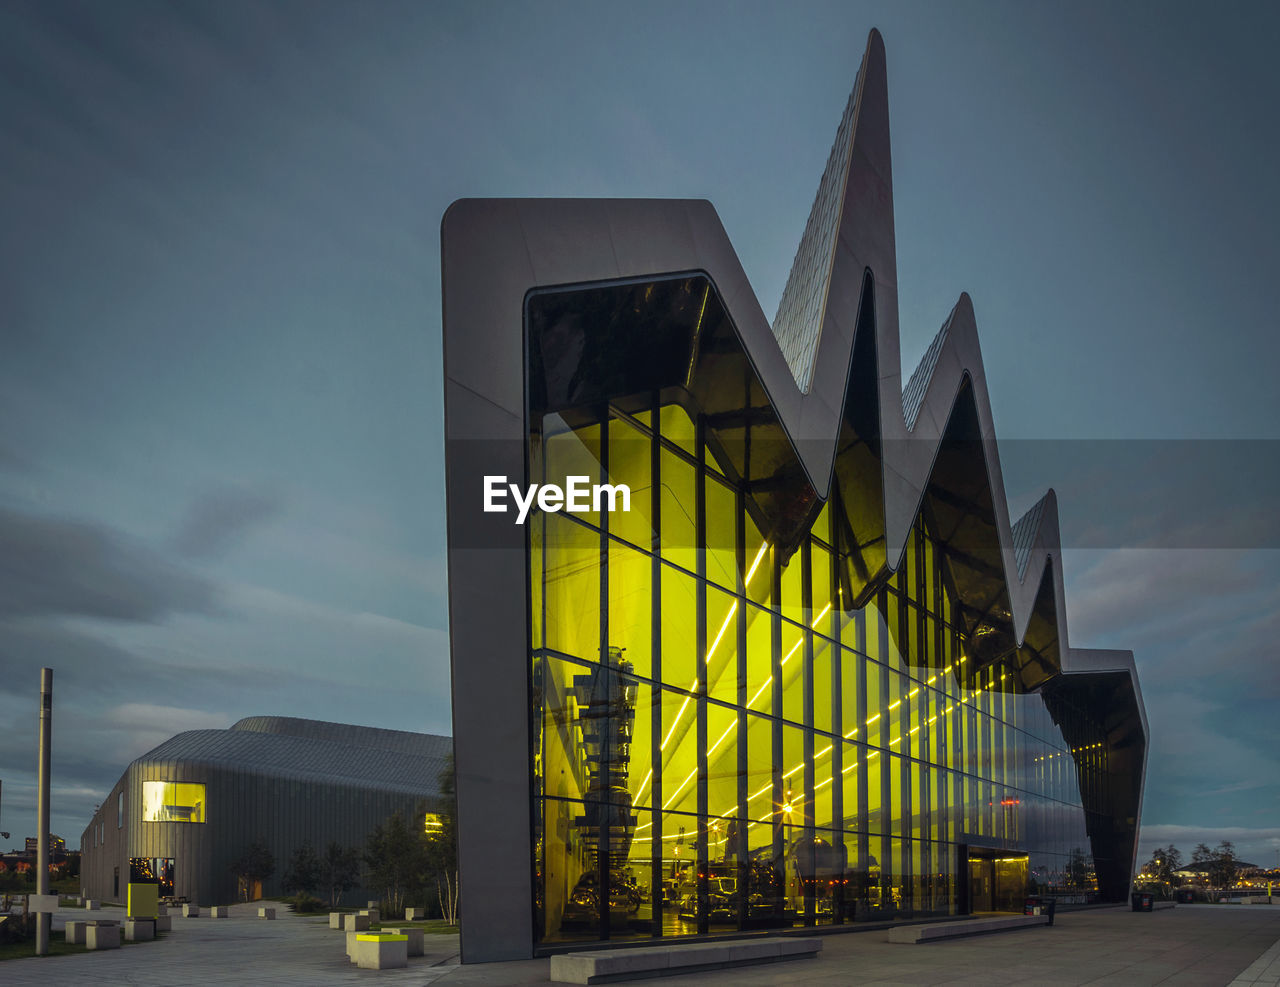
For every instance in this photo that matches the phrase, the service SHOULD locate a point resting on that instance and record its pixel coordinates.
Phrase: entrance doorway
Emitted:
(997, 880)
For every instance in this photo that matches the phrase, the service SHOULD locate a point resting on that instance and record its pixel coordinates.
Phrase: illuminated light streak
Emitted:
(680, 788)
(723, 627)
(728, 730)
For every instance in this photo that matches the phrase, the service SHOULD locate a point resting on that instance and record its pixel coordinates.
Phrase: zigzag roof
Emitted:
(830, 369)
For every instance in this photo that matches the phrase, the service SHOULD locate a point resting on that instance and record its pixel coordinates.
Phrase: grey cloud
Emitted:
(51, 566)
(90, 672)
(216, 521)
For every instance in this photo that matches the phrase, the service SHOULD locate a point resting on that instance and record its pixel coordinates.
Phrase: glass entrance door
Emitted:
(981, 879)
(997, 881)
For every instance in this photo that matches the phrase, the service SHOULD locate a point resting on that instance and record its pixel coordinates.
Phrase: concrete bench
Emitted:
(267, 913)
(220, 911)
(164, 923)
(335, 920)
(190, 911)
(965, 927)
(74, 932)
(139, 929)
(381, 951)
(355, 923)
(414, 914)
(1157, 905)
(102, 935)
(90, 905)
(372, 914)
(417, 939)
(662, 961)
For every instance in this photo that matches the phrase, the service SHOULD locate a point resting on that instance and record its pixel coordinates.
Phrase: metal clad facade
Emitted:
(281, 780)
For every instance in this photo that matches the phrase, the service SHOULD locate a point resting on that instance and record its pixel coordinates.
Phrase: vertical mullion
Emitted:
(655, 692)
(739, 845)
(776, 817)
(605, 807)
(700, 538)
(806, 679)
(837, 720)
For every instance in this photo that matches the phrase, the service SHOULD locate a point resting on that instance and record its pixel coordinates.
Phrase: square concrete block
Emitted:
(372, 904)
(351, 945)
(355, 923)
(220, 911)
(190, 911)
(90, 905)
(335, 920)
(381, 951)
(102, 936)
(267, 913)
(139, 929)
(164, 923)
(416, 937)
(414, 914)
(75, 932)
(161, 910)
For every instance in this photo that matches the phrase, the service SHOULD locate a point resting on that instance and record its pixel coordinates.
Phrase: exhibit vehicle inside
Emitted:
(813, 676)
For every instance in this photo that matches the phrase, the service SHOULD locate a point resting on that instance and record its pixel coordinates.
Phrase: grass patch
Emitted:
(58, 946)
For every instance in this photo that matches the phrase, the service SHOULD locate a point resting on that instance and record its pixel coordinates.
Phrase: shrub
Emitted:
(304, 903)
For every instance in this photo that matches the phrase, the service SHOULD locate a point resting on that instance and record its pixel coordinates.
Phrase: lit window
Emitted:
(433, 825)
(172, 801)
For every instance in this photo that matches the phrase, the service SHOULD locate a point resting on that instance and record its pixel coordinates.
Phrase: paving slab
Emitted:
(1210, 945)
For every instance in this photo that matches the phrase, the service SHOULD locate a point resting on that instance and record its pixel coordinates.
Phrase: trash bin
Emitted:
(1143, 901)
(1032, 905)
(1186, 896)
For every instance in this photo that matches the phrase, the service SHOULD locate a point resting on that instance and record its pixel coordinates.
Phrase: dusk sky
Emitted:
(221, 450)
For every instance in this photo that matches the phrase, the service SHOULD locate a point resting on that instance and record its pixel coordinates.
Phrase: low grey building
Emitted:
(186, 810)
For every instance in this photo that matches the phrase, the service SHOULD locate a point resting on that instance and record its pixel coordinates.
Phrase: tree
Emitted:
(256, 863)
(338, 871)
(442, 848)
(1164, 861)
(1224, 866)
(303, 873)
(395, 855)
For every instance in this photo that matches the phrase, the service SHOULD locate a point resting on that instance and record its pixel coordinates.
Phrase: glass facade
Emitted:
(724, 738)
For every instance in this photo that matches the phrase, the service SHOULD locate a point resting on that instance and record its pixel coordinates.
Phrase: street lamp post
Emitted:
(44, 919)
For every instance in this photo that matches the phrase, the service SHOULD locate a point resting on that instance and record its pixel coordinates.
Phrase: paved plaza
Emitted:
(1192, 944)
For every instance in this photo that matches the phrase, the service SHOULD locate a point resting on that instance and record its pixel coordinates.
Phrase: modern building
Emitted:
(183, 812)
(814, 676)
